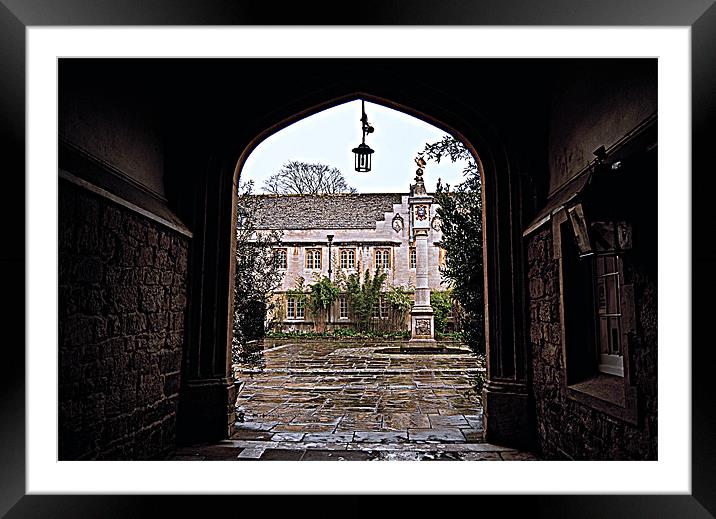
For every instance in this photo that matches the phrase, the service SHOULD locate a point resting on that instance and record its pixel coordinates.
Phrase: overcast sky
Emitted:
(329, 136)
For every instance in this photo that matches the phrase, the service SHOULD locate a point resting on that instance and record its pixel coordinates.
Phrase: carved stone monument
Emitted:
(422, 322)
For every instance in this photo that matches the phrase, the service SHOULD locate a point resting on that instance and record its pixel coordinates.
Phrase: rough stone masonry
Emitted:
(122, 303)
(564, 425)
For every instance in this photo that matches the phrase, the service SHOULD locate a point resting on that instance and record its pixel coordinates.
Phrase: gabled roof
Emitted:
(339, 211)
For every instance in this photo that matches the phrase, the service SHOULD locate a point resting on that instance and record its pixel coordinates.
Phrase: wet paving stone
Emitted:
(438, 421)
(248, 434)
(518, 456)
(344, 437)
(437, 435)
(473, 435)
(344, 400)
(281, 455)
(380, 437)
(480, 456)
(319, 455)
(405, 421)
(252, 453)
(287, 437)
(304, 427)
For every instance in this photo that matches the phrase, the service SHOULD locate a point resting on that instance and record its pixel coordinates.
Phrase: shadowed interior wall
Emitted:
(596, 103)
(115, 118)
(123, 270)
(122, 298)
(602, 106)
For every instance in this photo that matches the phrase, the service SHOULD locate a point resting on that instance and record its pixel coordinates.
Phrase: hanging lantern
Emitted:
(363, 152)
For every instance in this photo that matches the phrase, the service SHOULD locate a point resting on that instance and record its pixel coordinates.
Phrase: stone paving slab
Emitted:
(253, 453)
(332, 400)
(248, 434)
(380, 437)
(473, 435)
(436, 435)
(287, 437)
(336, 456)
(282, 455)
(438, 421)
(329, 437)
(518, 456)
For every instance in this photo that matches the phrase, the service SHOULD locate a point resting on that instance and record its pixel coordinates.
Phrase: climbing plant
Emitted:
(400, 302)
(300, 291)
(323, 293)
(363, 294)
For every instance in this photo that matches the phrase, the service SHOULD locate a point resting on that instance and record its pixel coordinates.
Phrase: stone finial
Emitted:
(419, 182)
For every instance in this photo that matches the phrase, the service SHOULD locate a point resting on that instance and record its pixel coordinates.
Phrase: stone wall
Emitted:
(122, 304)
(568, 429)
(380, 234)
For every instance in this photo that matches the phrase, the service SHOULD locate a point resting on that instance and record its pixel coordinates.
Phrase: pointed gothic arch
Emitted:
(206, 404)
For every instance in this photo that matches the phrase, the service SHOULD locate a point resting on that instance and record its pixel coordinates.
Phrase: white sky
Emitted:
(329, 136)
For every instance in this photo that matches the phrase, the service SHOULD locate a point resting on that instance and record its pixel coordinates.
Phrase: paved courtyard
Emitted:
(351, 400)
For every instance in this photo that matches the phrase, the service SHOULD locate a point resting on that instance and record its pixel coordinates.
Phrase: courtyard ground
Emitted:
(352, 400)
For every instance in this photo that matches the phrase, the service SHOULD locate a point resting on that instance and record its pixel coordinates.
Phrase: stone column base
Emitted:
(422, 326)
(207, 411)
(508, 415)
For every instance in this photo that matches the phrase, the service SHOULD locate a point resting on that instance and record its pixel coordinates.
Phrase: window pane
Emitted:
(290, 308)
(601, 296)
(612, 301)
(614, 336)
(608, 304)
(343, 308)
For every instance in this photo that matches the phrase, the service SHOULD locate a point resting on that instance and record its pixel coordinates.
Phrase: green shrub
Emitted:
(441, 301)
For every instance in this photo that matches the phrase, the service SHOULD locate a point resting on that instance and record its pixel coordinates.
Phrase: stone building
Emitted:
(147, 209)
(367, 231)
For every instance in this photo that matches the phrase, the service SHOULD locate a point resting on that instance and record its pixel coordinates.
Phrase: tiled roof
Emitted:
(344, 211)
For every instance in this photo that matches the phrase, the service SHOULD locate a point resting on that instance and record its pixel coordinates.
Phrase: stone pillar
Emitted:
(422, 321)
(208, 394)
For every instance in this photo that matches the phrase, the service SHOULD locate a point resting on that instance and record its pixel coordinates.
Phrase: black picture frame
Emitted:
(17, 15)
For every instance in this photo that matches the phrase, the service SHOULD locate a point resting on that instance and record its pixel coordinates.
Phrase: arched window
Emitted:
(348, 258)
(382, 258)
(280, 258)
(313, 258)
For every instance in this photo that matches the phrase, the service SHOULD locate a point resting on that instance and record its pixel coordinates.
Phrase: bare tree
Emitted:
(307, 179)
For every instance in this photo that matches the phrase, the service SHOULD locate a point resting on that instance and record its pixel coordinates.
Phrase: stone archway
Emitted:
(208, 394)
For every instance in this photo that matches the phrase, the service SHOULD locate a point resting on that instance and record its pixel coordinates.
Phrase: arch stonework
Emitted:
(208, 393)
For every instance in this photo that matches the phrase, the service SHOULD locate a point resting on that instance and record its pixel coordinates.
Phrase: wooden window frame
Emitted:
(384, 254)
(343, 305)
(348, 253)
(299, 309)
(313, 253)
(610, 394)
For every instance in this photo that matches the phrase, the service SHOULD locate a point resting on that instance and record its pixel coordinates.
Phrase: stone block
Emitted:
(171, 384)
